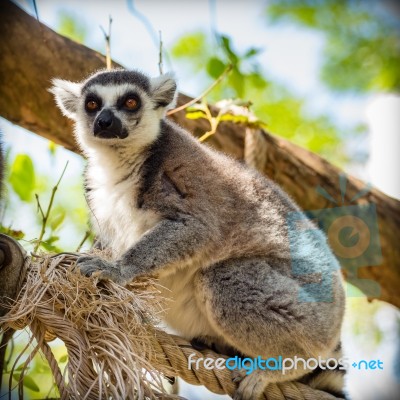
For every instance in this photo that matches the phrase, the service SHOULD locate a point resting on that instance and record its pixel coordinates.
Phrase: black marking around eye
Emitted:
(129, 95)
(93, 97)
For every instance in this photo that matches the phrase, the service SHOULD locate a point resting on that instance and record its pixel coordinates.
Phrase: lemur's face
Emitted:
(116, 106)
(113, 112)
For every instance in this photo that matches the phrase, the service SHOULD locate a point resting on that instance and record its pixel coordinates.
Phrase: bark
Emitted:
(33, 54)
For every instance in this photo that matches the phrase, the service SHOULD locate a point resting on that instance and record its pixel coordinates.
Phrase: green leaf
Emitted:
(234, 118)
(237, 81)
(20, 367)
(63, 359)
(52, 148)
(41, 368)
(16, 377)
(215, 67)
(16, 234)
(253, 51)
(52, 239)
(22, 177)
(195, 115)
(72, 26)
(226, 45)
(28, 382)
(31, 384)
(243, 119)
(257, 80)
(57, 220)
(49, 246)
(190, 46)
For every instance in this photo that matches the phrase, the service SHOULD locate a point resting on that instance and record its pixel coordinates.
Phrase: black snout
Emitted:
(108, 126)
(105, 119)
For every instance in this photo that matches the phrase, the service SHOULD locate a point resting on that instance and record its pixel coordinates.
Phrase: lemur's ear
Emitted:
(163, 90)
(66, 94)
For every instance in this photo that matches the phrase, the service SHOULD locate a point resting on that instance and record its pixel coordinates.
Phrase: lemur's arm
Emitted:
(169, 241)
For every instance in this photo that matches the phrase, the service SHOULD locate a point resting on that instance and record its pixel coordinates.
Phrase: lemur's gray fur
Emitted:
(213, 231)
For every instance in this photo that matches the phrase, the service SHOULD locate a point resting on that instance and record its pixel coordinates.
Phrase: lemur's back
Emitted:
(248, 212)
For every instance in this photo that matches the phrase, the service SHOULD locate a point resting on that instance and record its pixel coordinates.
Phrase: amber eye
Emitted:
(92, 105)
(131, 103)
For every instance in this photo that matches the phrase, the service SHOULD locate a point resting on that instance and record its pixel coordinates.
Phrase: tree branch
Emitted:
(33, 54)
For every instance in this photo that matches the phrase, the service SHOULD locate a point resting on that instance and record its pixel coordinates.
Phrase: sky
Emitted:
(291, 56)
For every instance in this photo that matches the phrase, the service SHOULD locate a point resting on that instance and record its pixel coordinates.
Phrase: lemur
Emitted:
(211, 230)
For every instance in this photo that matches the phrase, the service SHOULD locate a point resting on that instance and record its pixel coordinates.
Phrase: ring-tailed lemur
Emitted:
(213, 231)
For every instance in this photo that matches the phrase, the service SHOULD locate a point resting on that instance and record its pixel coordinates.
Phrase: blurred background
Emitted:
(322, 73)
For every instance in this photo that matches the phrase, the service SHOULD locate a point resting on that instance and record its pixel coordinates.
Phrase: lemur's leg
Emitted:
(270, 320)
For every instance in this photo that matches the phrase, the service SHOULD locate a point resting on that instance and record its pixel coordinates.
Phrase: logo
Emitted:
(353, 236)
(279, 363)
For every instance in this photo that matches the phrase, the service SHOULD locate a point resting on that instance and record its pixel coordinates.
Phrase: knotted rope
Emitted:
(115, 349)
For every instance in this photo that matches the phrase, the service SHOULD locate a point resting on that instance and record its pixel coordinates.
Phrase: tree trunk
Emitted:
(33, 54)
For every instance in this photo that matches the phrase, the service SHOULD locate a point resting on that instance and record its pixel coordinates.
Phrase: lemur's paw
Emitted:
(250, 386)
(89, 265)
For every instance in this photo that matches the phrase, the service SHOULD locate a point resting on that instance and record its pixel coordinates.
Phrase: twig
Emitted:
(87, 234)
(107, 38)
(45, 217)
(39, 206)
(214, 122)
(7, 336)
(207, 135)
(36, 10)
(208, 90)
(160, 59)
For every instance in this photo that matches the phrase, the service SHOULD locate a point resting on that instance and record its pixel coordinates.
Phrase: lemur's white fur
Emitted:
(115, 215)
(66, 94)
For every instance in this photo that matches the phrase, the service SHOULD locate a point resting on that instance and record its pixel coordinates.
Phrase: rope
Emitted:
(39, 331)
(177, 351)
(114, 348)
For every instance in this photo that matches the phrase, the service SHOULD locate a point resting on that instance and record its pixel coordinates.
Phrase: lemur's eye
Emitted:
(92, 105)
(131, 103)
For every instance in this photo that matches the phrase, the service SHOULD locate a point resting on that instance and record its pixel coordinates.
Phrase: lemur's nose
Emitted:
(107, 126)
(105, 119)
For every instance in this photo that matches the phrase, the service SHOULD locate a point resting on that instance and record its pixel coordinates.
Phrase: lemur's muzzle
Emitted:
(108, 126)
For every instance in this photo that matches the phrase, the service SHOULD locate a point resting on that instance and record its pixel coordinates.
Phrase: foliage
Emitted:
(37, 380)
(229, 110)
(25, 190)
(283, 113)
(22, 177)
(71, 26)
(362, 46)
